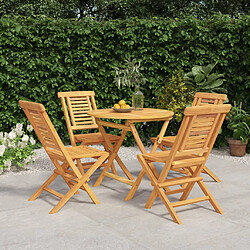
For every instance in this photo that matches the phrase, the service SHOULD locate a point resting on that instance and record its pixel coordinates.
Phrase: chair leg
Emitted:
(151, 199)
(70, 193)
(91, 193)
(65, 198)
(211, 174)
(62, 168)
(45, 184)
(211, 200)
(169, 206)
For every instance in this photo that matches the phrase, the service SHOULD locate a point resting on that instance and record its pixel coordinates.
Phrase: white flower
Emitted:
(5, 141)
(2, 149)
(19, 126)
(7, 164)
(25, 138)
(11, 144)
(1, 136)
(12, 135)
(29, 128)
(19, 132)
(32, 141)
(23, 144)
(19, 129)
(28, 159)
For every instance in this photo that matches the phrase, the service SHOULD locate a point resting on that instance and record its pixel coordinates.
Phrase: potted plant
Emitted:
(130, 75)
(239, 123)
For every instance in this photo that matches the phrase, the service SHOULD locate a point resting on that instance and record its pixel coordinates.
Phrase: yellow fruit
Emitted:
(122, 102)
(124, 106)
(117, 106)
(127, 106)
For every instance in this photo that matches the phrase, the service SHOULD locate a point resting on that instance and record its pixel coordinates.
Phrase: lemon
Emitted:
(122, 102)
(127, 106)
(117, 106)
(124, 106)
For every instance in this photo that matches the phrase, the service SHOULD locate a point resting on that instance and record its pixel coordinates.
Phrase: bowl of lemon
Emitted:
(122, 107)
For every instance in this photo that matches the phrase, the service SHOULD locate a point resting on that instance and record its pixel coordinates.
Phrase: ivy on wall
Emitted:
(40, 57)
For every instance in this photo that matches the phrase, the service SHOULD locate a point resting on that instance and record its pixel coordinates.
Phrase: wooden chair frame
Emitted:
(200, 99)
(62, 157)
(76, 105)
(191, 148)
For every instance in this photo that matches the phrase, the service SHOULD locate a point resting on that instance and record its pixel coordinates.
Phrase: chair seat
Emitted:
(95, 138)
(166, 141)
(157, 156)
(78, 152)
(178, 160)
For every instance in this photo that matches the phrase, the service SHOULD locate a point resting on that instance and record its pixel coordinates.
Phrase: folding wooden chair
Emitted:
(191, 148)
(76, 105)
(200, 99)
(62, 157)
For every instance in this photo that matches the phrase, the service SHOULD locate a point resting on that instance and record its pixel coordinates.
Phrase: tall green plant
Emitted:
(175, 95)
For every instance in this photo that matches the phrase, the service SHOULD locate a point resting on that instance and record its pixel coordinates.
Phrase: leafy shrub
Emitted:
(175, 95)
(239, 123)
(40, 57)
(16, 147)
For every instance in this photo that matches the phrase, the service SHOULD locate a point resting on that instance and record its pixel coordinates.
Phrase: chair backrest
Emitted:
(76, 105)
(201, 99)
(46, 133)
(197, 134)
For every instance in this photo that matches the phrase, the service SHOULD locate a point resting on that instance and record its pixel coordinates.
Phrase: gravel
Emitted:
(43, 163)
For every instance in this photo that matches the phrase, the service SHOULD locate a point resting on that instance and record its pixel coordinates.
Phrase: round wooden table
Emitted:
(145, 115)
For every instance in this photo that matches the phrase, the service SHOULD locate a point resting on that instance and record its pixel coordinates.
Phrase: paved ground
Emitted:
(119, 224)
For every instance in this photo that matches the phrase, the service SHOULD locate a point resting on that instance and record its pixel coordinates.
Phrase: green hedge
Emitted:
(40, 57)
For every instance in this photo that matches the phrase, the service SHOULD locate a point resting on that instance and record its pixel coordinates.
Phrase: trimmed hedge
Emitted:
(40, 57)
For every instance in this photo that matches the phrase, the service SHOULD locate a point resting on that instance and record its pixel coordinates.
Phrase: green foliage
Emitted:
(42, 56)
(239, 123)
(201, 79)
(123, 9)
(50, 8)
(175, 95)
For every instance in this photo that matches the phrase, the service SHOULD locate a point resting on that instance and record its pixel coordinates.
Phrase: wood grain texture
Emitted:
(146, 114)
(76, 105)
(185, 156)
(200, 99)
(62, 157)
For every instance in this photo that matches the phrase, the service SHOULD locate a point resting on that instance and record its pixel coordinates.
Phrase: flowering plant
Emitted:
(17, 147)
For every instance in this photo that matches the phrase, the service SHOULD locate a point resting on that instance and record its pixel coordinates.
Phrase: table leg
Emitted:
(114, 149)
(137, 182)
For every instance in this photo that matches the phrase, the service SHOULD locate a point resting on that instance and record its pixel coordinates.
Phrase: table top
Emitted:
(137, 115)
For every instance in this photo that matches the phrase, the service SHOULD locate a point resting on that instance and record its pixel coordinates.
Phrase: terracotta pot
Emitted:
(237, 147)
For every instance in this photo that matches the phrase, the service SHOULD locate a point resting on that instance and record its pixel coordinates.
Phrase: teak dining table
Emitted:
(144, 115)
